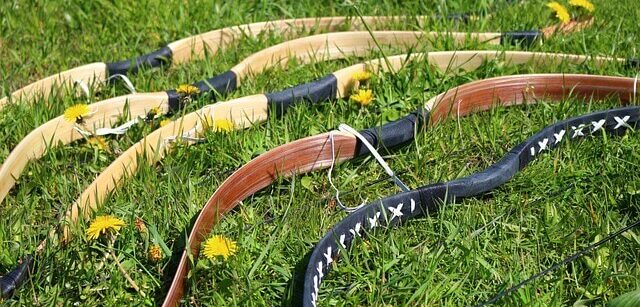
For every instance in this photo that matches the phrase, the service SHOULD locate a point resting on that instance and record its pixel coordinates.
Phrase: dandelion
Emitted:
(164, 122)
(585, 4)
(102, 225)
(76, 113)
(362, 76)
(140, 225)
(155, 111)
(363, 97)
(187, 89)
(219, 246)
(217, 125)
(560, 10)
(155, 253)
(98, 142)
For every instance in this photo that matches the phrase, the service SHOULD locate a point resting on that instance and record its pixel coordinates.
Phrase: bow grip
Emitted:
(393, 134)
(10, 282)
(522, 38)
(153, 59)
(221, 84)
(312, 92)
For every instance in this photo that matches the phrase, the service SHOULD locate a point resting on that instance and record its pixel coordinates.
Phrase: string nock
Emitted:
(118, 130)
(10, 282)
(127, 82)
(83, 87)
(348, 129)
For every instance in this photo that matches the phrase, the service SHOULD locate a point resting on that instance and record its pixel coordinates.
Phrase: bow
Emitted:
(258, 104)
(194, 47)
(471, 97)
(105, 113)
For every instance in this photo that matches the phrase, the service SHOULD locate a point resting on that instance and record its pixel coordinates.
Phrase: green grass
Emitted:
(466, 253)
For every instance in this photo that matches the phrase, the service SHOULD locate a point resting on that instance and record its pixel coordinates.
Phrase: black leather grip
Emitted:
(154, 59)
(10, 282)
(395, 209)
(221, 84)
(522, 38)
(393, 134)
(313, 92)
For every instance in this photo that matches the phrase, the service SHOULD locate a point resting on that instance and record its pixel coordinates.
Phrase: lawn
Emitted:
(463, 255)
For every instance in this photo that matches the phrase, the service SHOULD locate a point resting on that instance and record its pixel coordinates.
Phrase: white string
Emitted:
(374, 152)
(82, 132)
(348, 129)
(333, 162)
(191, 134)
(83, 86)
(118, 130)
(126, 80)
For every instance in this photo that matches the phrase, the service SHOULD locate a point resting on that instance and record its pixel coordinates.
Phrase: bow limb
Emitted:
(59, 131)
(187, 49)
(243, 112)
(297, 157)
(520, 89)
(395, 209)
(190, 48)
(89, 74)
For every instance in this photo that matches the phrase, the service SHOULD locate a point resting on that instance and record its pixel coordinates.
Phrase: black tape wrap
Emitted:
(313, 92)
(633, 63)
(221, 84)
(395, 209)
(10, 282)
(154, 59)
(393, 134)
(522, 38)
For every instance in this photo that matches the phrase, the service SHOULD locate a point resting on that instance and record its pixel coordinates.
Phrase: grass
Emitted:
(465, 254)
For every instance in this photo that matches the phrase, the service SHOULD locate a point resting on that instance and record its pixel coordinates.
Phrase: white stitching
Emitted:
(328, 256)
(577, 131)
(558, 136)
(597, 125)
(621, 121)
(397, 211)
(373, 222)
(413, 205)
(543, 144)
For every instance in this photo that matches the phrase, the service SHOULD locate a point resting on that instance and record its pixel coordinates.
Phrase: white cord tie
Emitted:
(118, 130)
(127, 82)
(348, 129)
(83, 86)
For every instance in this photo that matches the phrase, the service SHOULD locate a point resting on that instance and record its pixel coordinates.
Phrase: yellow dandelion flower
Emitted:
(155, 111)
(218, 125)
(155, 253)
(187, 89)
(362, 76)
(363, 97)
(98, 142)
(103, 224)
(585, 4)
(164, 122)
(223, 125)
(76, 113)
(219, 246)
(560, 10)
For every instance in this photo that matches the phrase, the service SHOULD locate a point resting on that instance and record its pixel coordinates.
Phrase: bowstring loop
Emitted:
(348, 129)
(127, 82)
